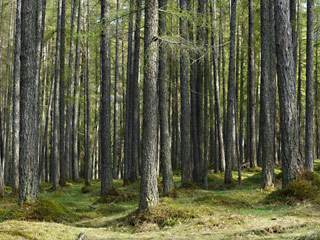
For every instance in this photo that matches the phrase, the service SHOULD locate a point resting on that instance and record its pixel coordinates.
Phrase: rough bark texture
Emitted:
(63, 163)
(185, 103)
(87, 161)
(105, 117)
(68, 140)
(252, 140)
(16, 101)
(135, 99)
(309, 145)
(267, 98)
(128, 122)
(222, 161)
(165, 147)
(75, 123)
(231, 134)
(55, 145)
(28, 151)
(115, 109)
(290, 155)
(149, 184)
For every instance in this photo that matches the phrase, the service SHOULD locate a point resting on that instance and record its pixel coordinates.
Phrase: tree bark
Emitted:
(29, 132)
(251, 91)
(148, 187)
(105, 117)
(165, 147)
(309, 145)
(290, 155)
(16, 101)
(268, 85)
(185, 155)
(231, 144)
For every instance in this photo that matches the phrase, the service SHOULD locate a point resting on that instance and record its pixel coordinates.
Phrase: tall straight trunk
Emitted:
(128, 107)
(148, 187)
(185, 102)
(231, 135)
(290, 156)
(200, 96)
(165, 148)
(242, 91)
(55, 145)
(75, 122)
(195, 147)
(68, 136)
(268, 100)
(293, 20)
(87, 160)
(135, 99)
(222, 161)
(28, 149)
(63, 163)
(16, 101)
(205, 102)
(299, 99)
(105, 115)
(316, 99)
(309, 145)
(115, 109)
(252, 141)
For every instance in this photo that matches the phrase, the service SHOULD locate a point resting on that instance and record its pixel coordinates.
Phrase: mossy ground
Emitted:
(232, 212)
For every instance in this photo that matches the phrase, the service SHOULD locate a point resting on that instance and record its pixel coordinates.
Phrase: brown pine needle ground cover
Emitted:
(232, 212)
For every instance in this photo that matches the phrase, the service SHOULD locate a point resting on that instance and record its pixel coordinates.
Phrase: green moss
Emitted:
(87, 189)
(43, 210)
(305, 187)
(163, 216)
(254, 169)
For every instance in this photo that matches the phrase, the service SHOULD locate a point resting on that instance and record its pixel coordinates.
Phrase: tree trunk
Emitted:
(309, 145)
(251, 91)
(290, 155)
(268, 99)
(231, 144)
(68, 136)
(185, 103)
(135, 99)
(63, 163)
(222, 161)
(75, 123)
(28, 151)
(148, 187)
(105, 115)
(55, 145)
(16, 101)
(165, 148)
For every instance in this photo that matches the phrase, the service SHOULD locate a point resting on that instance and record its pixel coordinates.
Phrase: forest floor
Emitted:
(232, 212)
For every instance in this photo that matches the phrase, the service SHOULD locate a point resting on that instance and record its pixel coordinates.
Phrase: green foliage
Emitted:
(44, 210)
(163, 216)
(305, 187)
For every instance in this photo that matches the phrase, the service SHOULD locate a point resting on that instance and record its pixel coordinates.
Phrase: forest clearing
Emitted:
(241, 212)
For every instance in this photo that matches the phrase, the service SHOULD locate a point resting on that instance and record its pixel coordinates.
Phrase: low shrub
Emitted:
(43, 210)
(305, 187)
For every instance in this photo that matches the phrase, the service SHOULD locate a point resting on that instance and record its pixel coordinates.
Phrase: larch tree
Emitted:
(231, 136)
(29, 132)
(16, 101)
(252, 139)
(185, 156)
(290, 155)
(309, 145)
(149, 195)
(165, 148)
(268, 86)
(105, 115)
